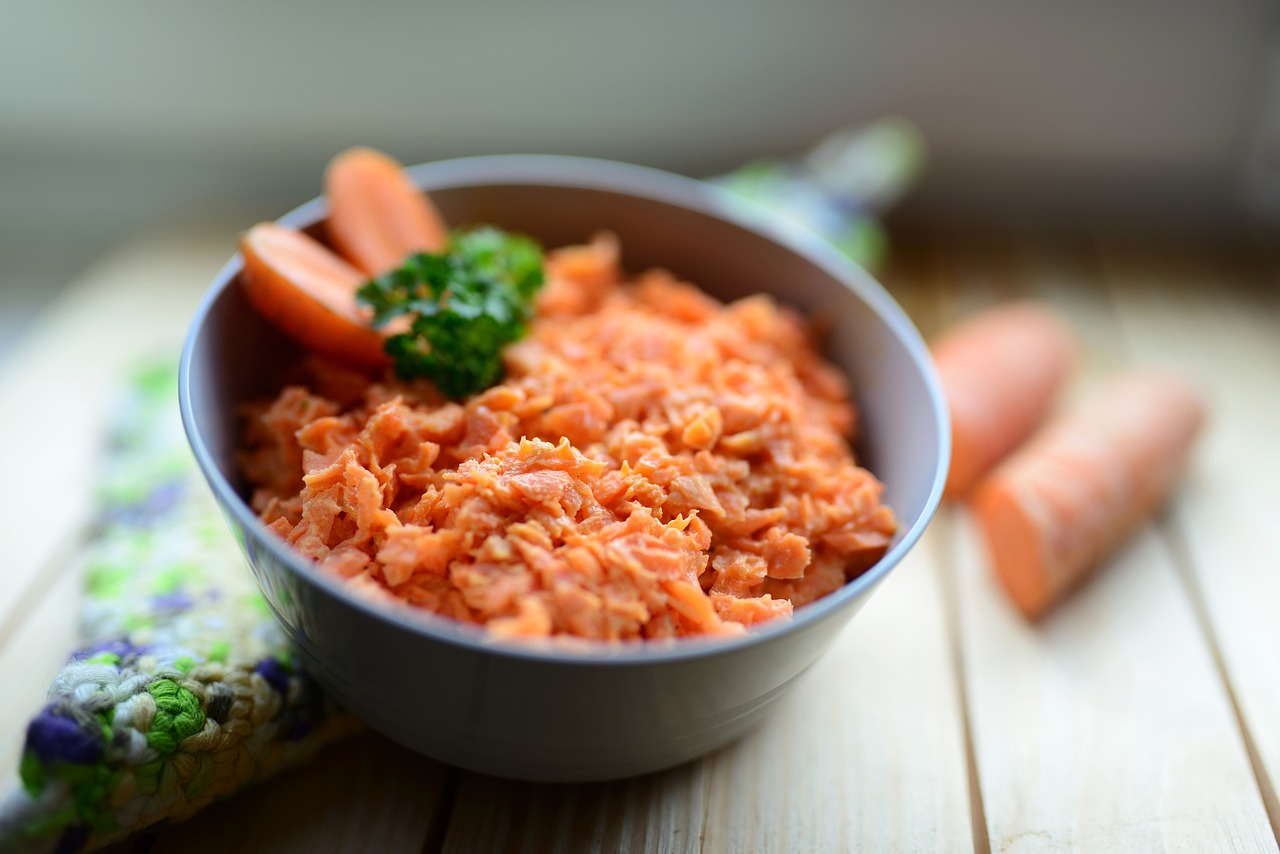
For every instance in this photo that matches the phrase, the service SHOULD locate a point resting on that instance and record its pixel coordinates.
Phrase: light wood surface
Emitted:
(1105, 727)
(1142, 715)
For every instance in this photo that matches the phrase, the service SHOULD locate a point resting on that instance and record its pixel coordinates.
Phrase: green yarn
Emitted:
(219, 651)
(258, 604)
(107, 580)
(210, 532)
(105, 719)
(185, 663)
(50, 824)
(31, 771)
(170, 579)
(148, 776)
(90, 786)
(90, 796)
(157, 382)
(133, 622)
(122, 492)
(178, 716)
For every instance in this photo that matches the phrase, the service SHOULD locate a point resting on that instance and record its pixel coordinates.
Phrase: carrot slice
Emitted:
(377, 217)
(309, 293)
(1001, 372)
(1055, 508)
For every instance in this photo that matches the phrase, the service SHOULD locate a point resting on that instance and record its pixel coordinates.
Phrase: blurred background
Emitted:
(1154, 115)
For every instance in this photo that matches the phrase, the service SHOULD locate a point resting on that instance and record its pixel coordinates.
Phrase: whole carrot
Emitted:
(1001, 371)
(1056, 507)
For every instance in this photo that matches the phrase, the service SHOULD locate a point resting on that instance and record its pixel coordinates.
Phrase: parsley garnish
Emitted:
(466, 304)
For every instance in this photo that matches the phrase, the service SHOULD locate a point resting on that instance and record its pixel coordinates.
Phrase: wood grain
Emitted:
(1105, 727)
(362, 795)
(29, 658)
(1218, 323)
(868, 753)
(661, 813)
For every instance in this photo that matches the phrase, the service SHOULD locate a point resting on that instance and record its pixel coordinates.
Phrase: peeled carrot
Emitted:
(1053, 509)
(309, 293)
(377, 217)
(1001, 372)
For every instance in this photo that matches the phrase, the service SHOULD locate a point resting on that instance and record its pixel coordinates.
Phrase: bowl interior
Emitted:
(727, 248)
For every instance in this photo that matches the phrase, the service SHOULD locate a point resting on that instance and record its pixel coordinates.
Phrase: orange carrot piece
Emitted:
(1056, 507)
(309, 293)
(377, 217)
(1001, 372)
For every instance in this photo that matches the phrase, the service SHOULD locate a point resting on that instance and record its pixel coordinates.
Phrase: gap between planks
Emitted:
(1230, 304)
(438, 829)
(1186, 573)
(946, 571)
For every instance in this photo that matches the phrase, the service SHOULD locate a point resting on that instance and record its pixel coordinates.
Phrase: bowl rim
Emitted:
(631, 180)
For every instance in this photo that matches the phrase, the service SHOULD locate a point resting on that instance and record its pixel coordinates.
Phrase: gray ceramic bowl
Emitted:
(553, 711)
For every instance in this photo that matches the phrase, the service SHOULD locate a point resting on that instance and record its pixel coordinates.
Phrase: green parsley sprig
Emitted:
(465, 304)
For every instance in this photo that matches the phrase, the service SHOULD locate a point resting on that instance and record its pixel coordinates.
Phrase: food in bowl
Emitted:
(654, 463)
(555, 709)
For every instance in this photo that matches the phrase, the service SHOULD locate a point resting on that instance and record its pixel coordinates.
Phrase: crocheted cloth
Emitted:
(185, 688)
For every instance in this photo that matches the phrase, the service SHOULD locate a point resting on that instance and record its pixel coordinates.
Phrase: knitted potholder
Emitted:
(185, 688)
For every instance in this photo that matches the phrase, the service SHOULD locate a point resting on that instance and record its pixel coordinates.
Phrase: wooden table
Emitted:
(1144, 715)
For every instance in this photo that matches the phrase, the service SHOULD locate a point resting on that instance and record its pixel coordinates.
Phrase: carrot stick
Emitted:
(377, 217)
(309, 293)
(1001, 372)
(1056, 507)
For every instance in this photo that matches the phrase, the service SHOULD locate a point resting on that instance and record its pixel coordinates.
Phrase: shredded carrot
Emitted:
(655, 464)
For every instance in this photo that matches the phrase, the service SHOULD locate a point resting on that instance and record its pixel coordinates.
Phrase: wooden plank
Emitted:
(1217, 322)
(1106, 726)
(365, 794)
(30, 656)
(57, 384)
(661, 813)
(935, 293)
(868, 752)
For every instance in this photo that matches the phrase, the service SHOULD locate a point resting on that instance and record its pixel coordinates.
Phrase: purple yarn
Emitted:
(121, 648)
(56, 738)
(277, 677)
(172, 602)
(152, 505)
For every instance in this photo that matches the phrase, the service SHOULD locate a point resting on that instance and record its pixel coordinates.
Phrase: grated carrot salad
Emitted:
(655, 464)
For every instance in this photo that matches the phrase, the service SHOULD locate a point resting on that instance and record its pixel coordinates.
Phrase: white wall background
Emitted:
(117, 112)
